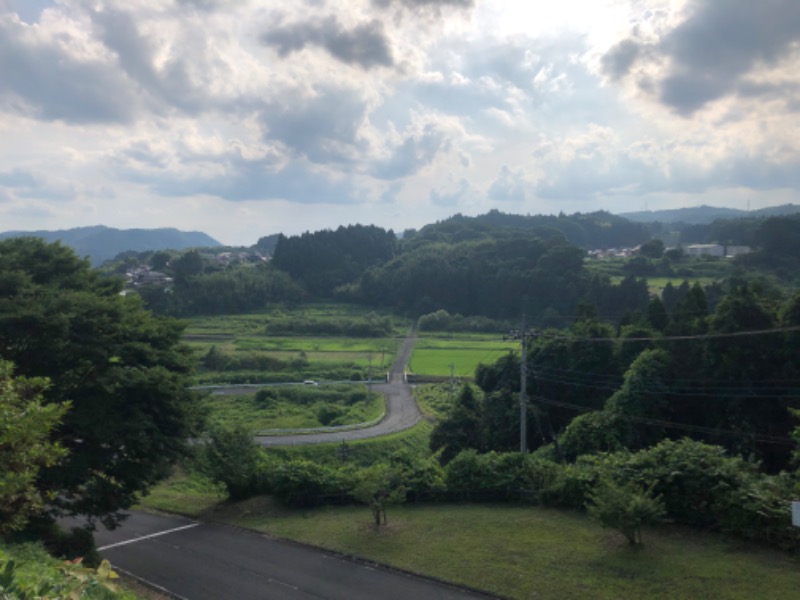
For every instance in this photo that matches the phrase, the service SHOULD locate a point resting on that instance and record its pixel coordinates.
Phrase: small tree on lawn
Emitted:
(625, 507)
(379, 486)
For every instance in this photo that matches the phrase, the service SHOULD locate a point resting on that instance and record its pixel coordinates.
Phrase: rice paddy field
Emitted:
(457, 355)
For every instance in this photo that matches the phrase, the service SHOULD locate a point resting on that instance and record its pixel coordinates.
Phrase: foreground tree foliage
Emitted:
(124, 371)
(25, 447)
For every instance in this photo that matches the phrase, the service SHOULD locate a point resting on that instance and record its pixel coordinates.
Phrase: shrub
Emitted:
(625, 507)
(305, 483)
(232, 458)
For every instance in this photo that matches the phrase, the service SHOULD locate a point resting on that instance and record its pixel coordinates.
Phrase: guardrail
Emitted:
(312, 430)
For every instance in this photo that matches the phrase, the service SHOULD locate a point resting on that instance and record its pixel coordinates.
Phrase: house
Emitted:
(731, 251)
(705, 250)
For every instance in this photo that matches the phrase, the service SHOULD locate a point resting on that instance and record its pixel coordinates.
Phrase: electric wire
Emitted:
(673, 338)
(768, 439)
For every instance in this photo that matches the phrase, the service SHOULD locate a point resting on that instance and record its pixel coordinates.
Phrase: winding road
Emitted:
(402, 411)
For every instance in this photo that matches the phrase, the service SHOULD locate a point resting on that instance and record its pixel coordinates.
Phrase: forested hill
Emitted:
(703, 215)
(101, 243)
(590, 230)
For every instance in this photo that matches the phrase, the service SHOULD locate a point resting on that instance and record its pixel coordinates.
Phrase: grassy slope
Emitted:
(519, 552)
(529, 552)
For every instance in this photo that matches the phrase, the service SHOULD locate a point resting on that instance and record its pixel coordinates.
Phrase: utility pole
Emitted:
(523, 335)
(452, 380)
(523, 393)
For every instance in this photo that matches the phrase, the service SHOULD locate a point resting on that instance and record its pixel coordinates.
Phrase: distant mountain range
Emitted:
(702, 215)
(102, 243)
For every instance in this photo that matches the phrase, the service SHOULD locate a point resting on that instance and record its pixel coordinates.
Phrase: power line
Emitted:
(769, 439)
(674, 338)
(768, 383)
(730, 392)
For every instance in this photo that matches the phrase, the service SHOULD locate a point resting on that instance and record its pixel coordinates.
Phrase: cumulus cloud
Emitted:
(452, 199)
(418, 3)
(46, 77)
(365, 45)
(510, 186)
(322, 127)
(717, 50)
(27, 184)
(415, 152)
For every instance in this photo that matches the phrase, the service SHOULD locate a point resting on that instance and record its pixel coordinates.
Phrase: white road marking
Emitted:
(147, 537)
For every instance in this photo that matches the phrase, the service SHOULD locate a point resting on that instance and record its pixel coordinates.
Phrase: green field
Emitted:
(248, 352)
(434, 356)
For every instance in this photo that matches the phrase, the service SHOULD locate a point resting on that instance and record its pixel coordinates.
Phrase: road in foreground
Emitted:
(201, 561)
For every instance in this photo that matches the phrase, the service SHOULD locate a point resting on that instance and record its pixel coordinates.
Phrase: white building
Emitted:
(705, 250)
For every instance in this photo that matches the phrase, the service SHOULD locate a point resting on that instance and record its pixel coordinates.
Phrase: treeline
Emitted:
(496, 266)
(323, 260)
(223, 292)
(712, 375)
(496, 278)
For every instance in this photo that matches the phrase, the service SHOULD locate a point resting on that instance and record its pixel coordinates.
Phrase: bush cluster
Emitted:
(695, 483)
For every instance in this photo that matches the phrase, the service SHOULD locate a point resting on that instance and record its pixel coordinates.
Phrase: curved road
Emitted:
(401, 411)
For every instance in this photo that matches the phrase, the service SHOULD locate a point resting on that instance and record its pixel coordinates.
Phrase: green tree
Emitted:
(124, 370)
(232, 458)
(379, 486)
(159, 260)
(462, 427)
(26, 426)
(190, 264)
(652, 248)
(624, 507)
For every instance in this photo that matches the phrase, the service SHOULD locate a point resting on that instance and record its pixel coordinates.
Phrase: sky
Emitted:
(245, 118)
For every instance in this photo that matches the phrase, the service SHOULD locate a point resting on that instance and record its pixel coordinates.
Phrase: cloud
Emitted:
(463, 193)
(366, 45)
(425, 3)
(45, 77)
(323, 126)
(617, 62)
(415, 152)
(27, 184)
(241, 180)
(180, 80)
(510, 186)
(716, 51)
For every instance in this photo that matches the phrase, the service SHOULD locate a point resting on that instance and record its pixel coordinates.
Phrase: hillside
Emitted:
(703, 215)
(100, 243)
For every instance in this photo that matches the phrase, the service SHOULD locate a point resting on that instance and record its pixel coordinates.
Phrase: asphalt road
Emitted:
(401, 411)
(199, 561)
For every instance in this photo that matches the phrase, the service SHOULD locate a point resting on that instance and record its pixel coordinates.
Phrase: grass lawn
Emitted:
(532, 552)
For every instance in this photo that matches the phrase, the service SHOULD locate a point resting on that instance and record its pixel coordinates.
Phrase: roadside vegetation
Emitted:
(28, 571)
(296, 407)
